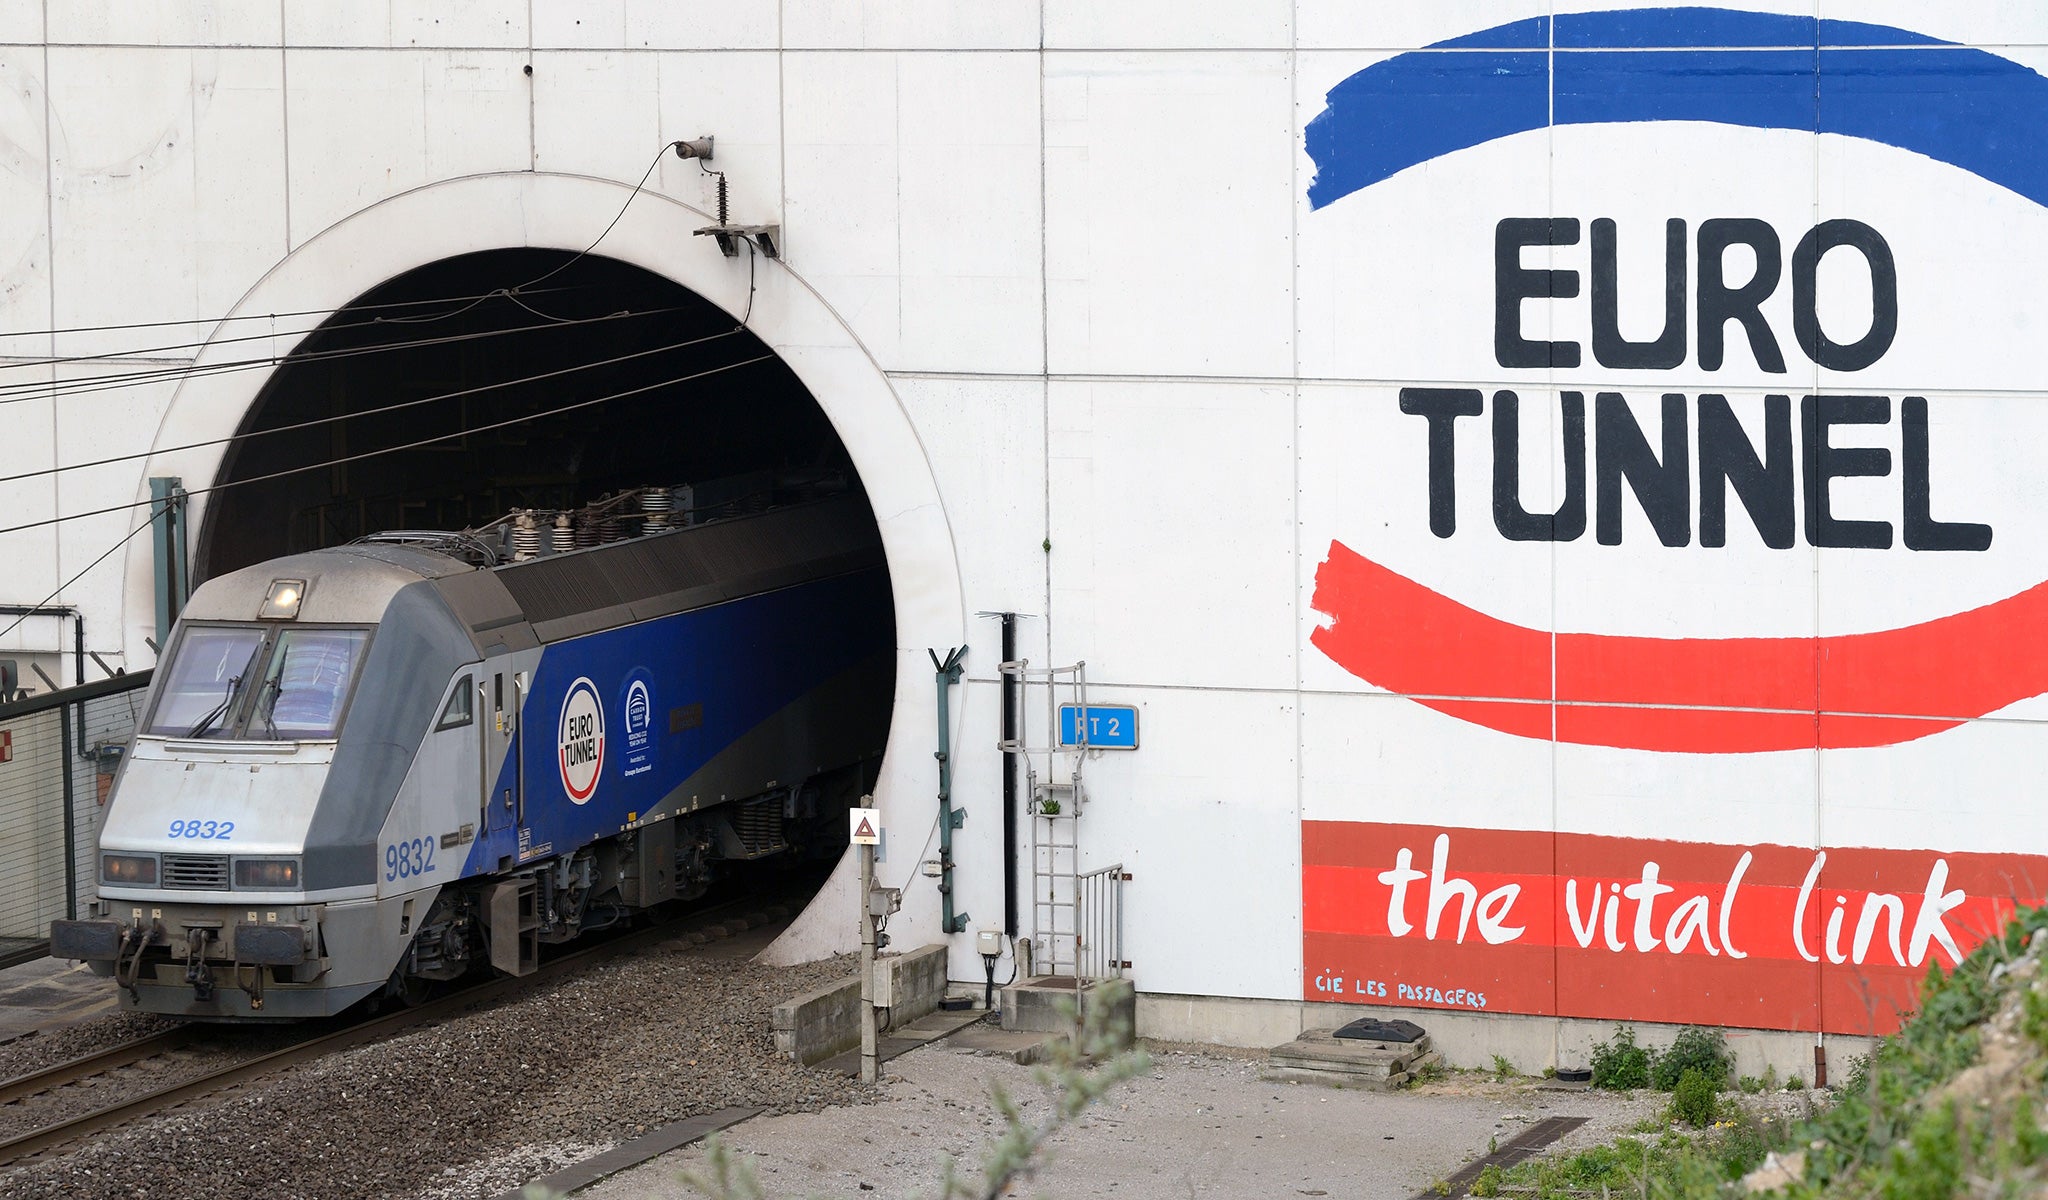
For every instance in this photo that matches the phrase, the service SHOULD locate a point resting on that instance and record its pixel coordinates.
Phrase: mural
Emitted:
(1684, 570)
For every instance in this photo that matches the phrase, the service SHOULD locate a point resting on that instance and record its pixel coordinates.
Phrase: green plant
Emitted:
(1489, 1181)
(1619, 1064)
(1694, 1100)
(1750, 1084)
(1503, 1069)
(1770, 1078)
(1795, 1084)
(1694, 1049)
(1049, 808)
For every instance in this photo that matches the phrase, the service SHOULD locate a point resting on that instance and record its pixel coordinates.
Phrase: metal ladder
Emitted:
(1055, 836)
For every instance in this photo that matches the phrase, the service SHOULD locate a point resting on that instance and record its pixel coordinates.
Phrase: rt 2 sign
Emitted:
(1110, 727)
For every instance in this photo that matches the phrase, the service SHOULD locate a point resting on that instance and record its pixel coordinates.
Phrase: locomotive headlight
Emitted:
(281, 602)
(267, 873)
(128, 870)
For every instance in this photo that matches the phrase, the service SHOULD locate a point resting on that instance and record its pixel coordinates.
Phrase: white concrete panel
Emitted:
(1995, 24)
(1365, 490)
(1941, 225)
(28, 556)
(1211, 838)
(737, 99)
(655, 24)
(842, 187)
(909, 25)
(1397, 278)
(1163, 24)
(170, 188)
(1169, 179)
(1172, 550)
(24, 204)
(1396, 25)
(611, 115)
(968, 190)
(196, 23)
(1723, 798)
(1951, 791)
(21, 24)
(985, 440)
(369, 126)
(1985, 465)
(1391, 760)
(597, 113)
(405, 23)
(95, 423)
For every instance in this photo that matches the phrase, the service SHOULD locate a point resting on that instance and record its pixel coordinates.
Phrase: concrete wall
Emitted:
(825, 1021)
(1107, 354)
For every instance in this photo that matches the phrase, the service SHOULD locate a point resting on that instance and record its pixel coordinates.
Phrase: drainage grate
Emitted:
(1523, 1145)
(195, 871)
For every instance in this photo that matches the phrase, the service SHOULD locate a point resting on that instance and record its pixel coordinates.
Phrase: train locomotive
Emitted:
(371, 767)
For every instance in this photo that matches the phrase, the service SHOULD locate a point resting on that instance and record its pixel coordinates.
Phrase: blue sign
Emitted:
(1110, 726)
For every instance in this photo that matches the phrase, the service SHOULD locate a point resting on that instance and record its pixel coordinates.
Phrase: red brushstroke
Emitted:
(1698, 695)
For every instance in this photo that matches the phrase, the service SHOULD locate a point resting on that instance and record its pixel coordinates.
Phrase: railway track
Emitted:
(712, 924)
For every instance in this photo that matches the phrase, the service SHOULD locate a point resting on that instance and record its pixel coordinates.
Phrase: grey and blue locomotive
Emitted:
(365, 768)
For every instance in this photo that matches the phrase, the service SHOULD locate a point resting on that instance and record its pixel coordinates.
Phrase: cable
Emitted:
(466, 301)
(335, 462)
(17, 393)
(371, 412)
(75, 578)
(644, 177)
(58, 332)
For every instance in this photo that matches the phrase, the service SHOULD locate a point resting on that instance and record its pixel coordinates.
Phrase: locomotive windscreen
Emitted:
(258, 683)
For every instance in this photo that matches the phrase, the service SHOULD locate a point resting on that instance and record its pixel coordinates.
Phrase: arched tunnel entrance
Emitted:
(461, 345)
(525, 379)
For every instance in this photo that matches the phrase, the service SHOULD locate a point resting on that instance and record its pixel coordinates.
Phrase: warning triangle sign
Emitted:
(864, 829)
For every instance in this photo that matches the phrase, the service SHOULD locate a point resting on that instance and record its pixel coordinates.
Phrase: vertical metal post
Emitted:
(173, 581)
(947, 673)
(70, 816)
(1010, 742)
(870, 1037)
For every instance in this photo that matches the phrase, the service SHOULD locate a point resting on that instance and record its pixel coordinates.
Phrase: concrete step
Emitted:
(1317, 1057)
(1035, 1005)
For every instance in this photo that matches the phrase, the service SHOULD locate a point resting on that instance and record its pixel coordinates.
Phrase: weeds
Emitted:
(1619, 1064)
(1503, 1070)
(1694, 1049)
(1695, 1101)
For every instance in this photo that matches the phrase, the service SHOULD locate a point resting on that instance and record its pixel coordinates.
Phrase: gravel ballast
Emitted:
(481, 1102)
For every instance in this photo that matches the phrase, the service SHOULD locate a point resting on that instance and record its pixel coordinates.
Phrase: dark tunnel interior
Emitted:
(474, 341)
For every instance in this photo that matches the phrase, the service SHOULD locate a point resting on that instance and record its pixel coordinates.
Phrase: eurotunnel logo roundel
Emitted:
(1717, 458)
(580, 741)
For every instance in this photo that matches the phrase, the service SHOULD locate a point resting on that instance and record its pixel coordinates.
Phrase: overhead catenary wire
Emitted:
(371, 412)
(17, 362)
(414, 445)
(18, 393)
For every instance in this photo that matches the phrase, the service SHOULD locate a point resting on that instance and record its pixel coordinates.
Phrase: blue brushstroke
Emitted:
(1956, 105)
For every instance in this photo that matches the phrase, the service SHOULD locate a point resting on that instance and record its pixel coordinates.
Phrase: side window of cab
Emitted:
(460, 709)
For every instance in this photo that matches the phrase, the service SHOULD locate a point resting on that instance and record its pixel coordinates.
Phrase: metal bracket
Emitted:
(766, 238)
(959, 818)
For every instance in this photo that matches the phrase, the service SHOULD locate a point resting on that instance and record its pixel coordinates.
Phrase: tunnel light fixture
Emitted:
(281, 602)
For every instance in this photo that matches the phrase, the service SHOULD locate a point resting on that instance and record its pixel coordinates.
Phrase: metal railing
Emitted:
(1099, 924)
(58, 755)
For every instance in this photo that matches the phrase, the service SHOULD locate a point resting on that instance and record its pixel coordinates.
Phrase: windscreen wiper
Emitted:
(227, 701)
(275, 686)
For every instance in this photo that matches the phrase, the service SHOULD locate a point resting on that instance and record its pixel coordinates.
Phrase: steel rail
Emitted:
(41, 1141)
(99, 1062)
